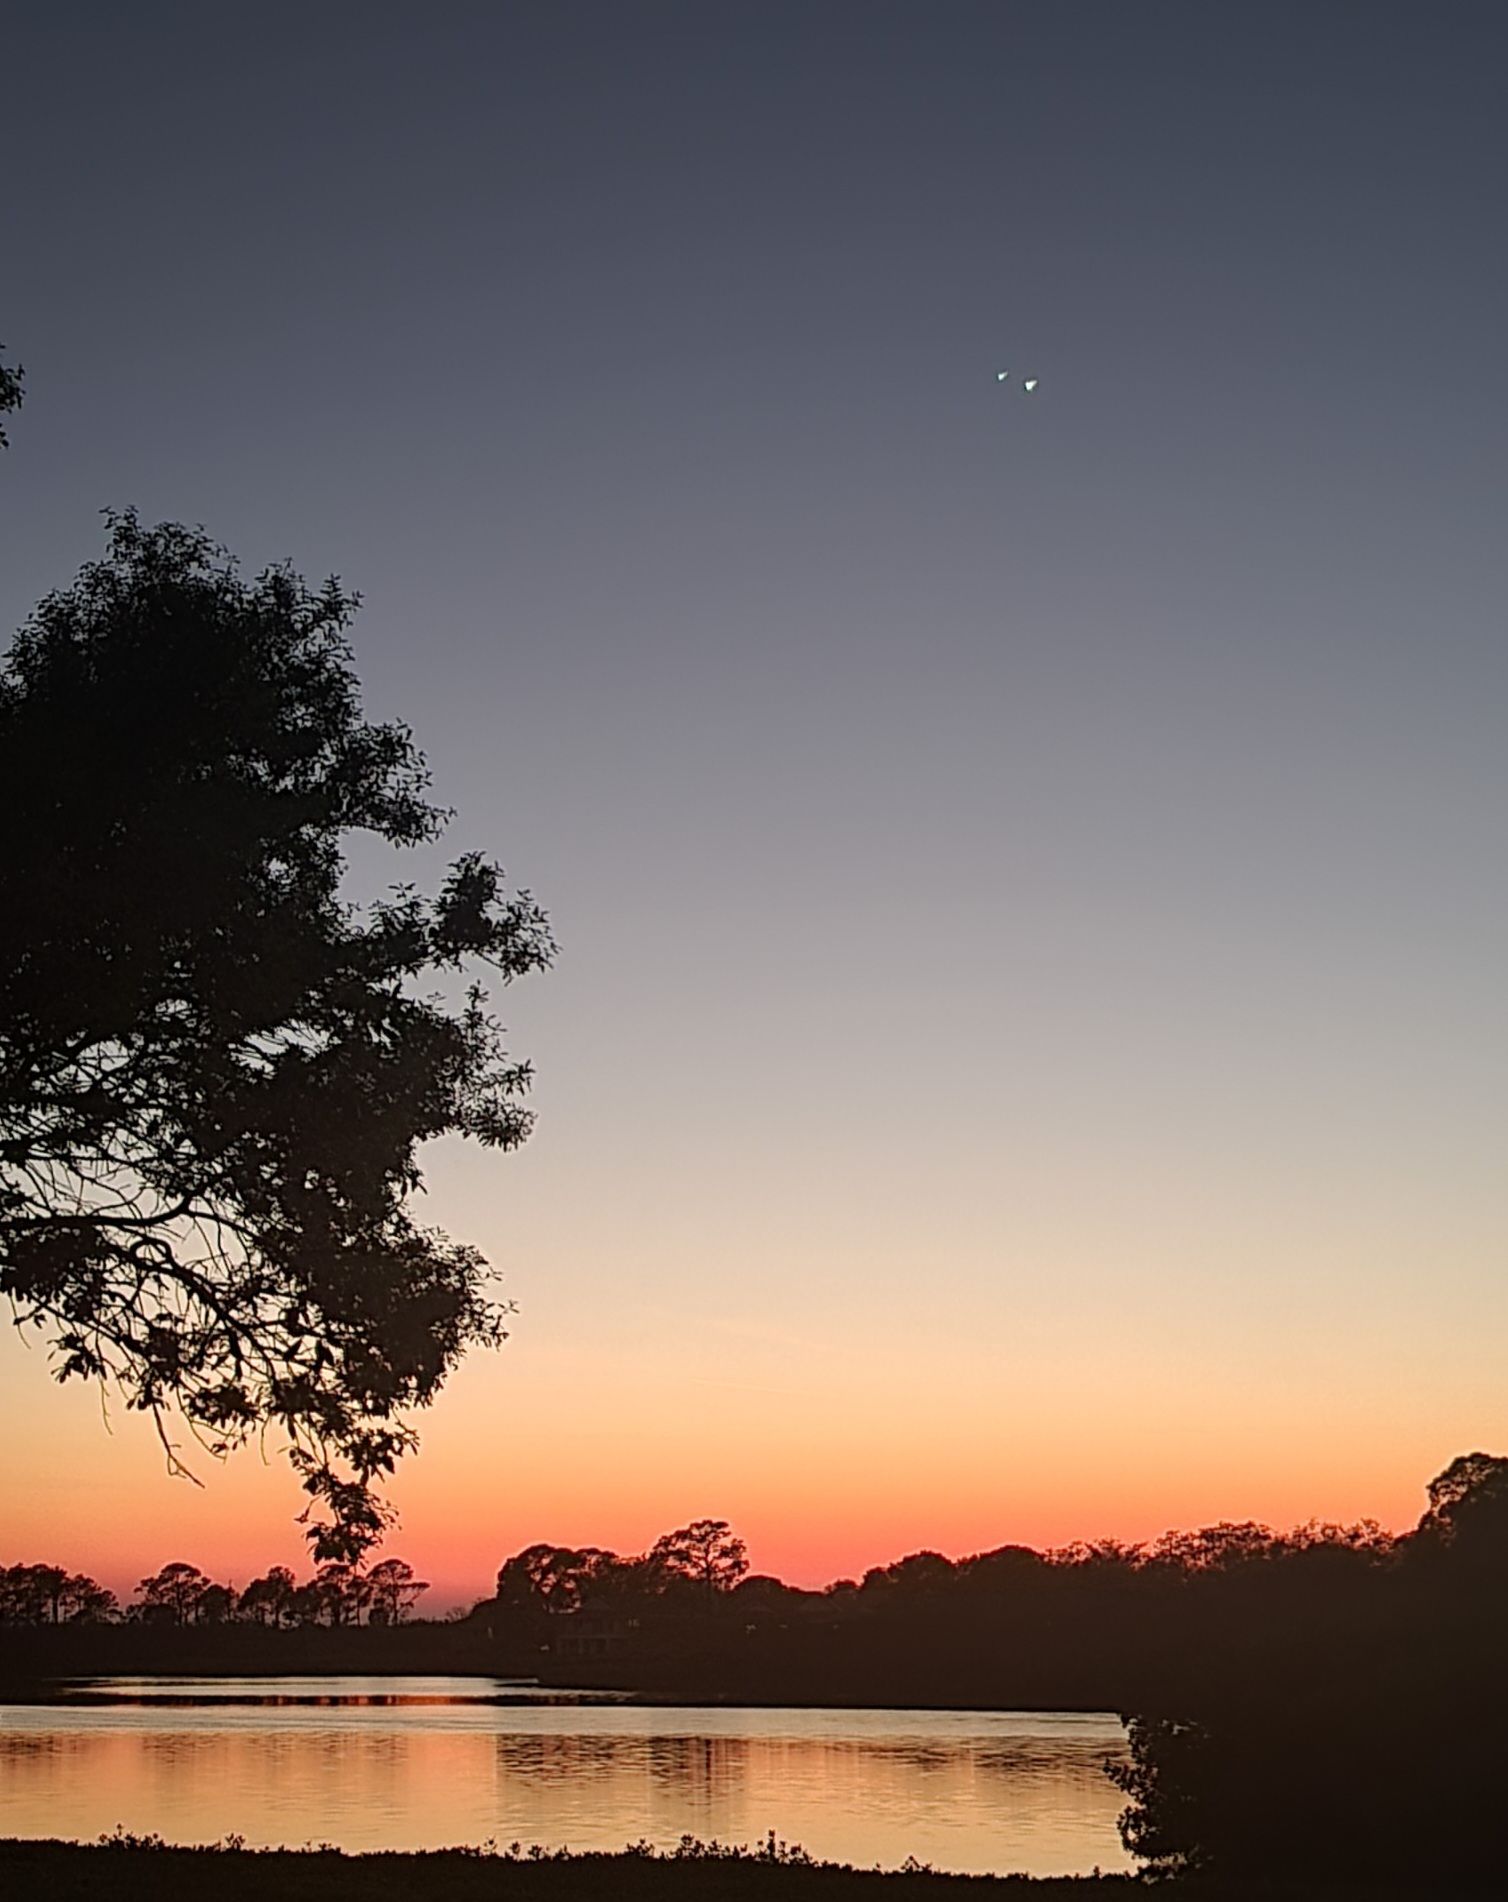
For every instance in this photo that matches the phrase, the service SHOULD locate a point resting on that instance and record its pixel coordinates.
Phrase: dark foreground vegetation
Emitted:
(128, 1871)
(696, 1872)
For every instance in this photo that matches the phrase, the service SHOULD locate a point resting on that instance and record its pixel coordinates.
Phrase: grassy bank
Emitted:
(70, 1872)
(129, 1872)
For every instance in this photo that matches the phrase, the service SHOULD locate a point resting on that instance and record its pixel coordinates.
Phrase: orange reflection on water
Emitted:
(966, 1791)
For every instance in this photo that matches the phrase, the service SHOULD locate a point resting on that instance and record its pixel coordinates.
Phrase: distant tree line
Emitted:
(1090, 1625)
(181, 1595)
(692, 1565)
(1130, 1612)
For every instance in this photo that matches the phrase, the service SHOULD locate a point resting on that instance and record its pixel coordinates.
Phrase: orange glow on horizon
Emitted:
(105, 1505)
(824, 1463)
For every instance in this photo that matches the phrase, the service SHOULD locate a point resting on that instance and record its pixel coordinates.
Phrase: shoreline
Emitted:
(126, 1867)
(129, 1870)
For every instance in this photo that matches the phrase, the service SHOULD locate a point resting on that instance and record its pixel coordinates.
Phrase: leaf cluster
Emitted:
(11, 394)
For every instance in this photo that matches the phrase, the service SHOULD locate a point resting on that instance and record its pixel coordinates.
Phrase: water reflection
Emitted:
(325, 1692)
(404, 1764)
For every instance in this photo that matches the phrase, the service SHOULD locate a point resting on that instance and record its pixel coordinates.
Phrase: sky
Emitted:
(1026, 1056)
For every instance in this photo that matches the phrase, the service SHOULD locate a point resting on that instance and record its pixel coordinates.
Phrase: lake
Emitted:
(410, 1763)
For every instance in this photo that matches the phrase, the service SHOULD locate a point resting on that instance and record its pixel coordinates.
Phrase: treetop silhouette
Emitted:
(706, 1553)
(11, 394)
(215, 1071)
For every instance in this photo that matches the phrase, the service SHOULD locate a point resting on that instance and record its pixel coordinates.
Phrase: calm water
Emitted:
(407, 1763)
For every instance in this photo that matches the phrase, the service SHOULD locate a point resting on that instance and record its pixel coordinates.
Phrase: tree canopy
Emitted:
(707, 1553)
(51, 1595)
(11, 393)
(215, 1070)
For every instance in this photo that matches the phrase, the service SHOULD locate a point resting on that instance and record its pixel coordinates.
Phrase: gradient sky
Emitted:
(1026, 1059)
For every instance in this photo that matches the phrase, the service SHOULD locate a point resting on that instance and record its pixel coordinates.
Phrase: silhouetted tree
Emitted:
(1100, 1555)
(217, 1605)
(174, 1593)
(1468, 1509)
(308, 1604)
(50, 1583)
(343, 1592)
(268, 1600)
(392, 1591)
(24, 1594)
(915, 1575)
(215, 1073)
(706, 1553)
(11, 393)
(22, 1601)
(83, 1601)
(1004, 1569)
(1217, 1547)
(551, 1578)
(1165, 1825)
(763, 1597)
(1325, 1702)
(615, 1583)
(51, 1595)
(1362, 1536)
